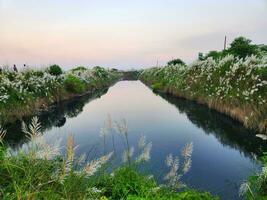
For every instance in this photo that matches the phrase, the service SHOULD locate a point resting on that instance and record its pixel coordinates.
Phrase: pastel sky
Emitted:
(123, 33)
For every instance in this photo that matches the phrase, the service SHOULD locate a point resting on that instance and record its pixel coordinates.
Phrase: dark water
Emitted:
(224, 152)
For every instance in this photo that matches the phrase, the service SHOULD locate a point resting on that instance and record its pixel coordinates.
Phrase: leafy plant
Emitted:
(55, 70)
(74, 84)
(176, 61)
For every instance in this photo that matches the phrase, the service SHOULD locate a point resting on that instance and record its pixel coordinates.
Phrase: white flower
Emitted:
(187, 151)
(145, 155)
(92, 167)
(127, 155)
(142, 142)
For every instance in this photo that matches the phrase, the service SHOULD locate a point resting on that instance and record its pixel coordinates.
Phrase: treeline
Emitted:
(241, 47)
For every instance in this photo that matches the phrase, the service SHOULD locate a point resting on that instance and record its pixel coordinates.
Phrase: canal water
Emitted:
(224, 152)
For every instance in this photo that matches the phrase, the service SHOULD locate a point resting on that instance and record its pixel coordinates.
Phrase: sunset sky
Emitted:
(121, 33)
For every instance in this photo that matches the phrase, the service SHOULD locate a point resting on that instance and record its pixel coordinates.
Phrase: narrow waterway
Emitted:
(224, 152)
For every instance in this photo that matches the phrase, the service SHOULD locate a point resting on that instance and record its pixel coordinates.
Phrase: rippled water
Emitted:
(224, 152)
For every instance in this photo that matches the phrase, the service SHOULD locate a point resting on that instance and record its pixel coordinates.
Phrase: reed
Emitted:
(38, 170)
(233, 86)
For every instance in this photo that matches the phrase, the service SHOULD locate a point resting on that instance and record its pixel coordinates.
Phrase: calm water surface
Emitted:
(224, 152)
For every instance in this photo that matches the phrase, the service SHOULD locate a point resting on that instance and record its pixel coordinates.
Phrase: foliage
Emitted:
(22, 92)
(38, 170)
(256, 185)
(177, 61)
(215, 55)
(232, 81)
(55, 70)
(19, 88)
(74, 84)
(79, 68)
(241, 47)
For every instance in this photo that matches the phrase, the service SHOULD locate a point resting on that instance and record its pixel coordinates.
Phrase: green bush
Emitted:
(256, 185)
(157, 86)
(74, 84)
(100, 72)
(128, 183)
(215, 55)
(55, 70)
(79, 68)
(176, 62)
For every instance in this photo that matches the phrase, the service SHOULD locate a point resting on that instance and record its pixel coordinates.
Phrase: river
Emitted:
(224, 152)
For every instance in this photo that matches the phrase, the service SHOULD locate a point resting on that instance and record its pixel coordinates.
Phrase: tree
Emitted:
(263, 48)
(176, 62)
(214, 54)
(55, 70)
(241, 47)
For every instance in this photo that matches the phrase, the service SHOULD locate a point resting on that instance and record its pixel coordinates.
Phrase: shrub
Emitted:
(176, 62)
(74, 84)
(256, 185)
(215, 55)
(55, 70)
(157, 86)
(100, 72)
(79, 68)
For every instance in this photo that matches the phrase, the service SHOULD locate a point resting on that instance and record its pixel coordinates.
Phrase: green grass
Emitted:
(74, 85)
(255, 188)
(23, 177)
(38, 170)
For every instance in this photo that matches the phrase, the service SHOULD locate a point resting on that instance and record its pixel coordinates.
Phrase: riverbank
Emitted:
(30, 91)
(235, 87)
(54, 175)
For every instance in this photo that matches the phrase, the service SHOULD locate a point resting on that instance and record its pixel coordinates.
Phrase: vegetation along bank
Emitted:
(54, 175)
(233, 82)
(23, 93)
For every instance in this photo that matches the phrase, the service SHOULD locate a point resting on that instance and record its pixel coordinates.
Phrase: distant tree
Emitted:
(55, 70)
(241, 47)
(214, 54)
(176, 62)
(263, 48)
(79, 68)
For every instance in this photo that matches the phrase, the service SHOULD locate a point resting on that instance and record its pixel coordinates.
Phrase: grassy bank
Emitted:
(236, 87)
(39, 170)
(255, 188)
(24, 93)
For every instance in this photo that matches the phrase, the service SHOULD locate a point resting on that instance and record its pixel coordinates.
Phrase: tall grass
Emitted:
(255, 187)
(38, 170)
(23, 93)
(236, 87)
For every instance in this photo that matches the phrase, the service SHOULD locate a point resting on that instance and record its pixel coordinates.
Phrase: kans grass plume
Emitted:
(37, 146)
(145, 150)
(175, 174)
(92, 167)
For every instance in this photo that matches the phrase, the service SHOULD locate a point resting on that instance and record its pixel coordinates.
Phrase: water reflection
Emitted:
(55, 116)
(223, 153)
(229, 132)
(226, 130)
